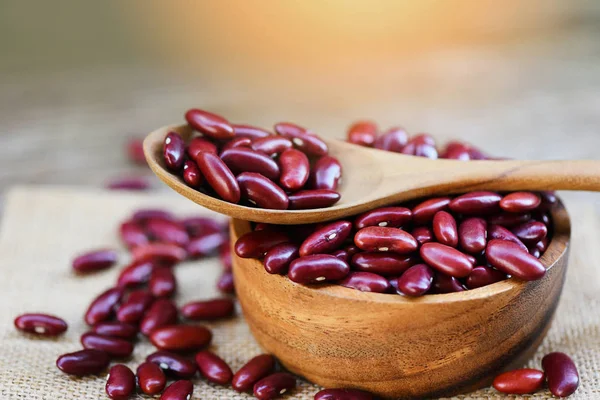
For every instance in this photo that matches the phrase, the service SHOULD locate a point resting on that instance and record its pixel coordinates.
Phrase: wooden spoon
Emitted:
(374, 178)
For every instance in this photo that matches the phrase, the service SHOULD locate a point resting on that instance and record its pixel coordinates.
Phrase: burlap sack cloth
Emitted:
(43, 228)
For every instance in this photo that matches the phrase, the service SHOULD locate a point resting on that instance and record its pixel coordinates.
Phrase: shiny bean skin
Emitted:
(456, 151)
(168, 231)
(96, 260)
(41, 324)
(208, 310)
(83, 362)
(162, 282)
(342, 254)
(179, 390)
(362, 133)
(535, 252)
(103, 306)
(262, 191)
(416, 280)
(446, 259)
(561, 374)
(393, 217)
(274, 386)
(174, 151)
(116, 329)
(272, 145)
(278, 259)
(317, 268)
(167, 253)
(180, 337)
(476, 203)
(132, 310)
(198, 145)
(519, 381)
(422, 145)
(120, 383)
(191, 174)
(394, 139)
(444, 228)
(253, 371)
(256, 243)
(509, 258)
(219, 176)
(132, 234)
(242, 159)
(542, 245)
(520, 202)
(289, 129)
(206, 244)
(113, 346)
(383, 263)
(424, 212)
(326, 173)
(225, 284)
(472, 234)
(249, 131)
(422, 234)
(213, 367)
(136, 273)
(162, 312)
(305, 142)
(209, 124)
(173, 364)
(326, 239)
(294, 169)
(501, 233)
(376, 238)
(548, 197)
(365, 282)
(150, 377)
(237, 142)
(344, 394)
(318, 198)
(530, 232)
(443, 283)
(508, 220)
(483, 276)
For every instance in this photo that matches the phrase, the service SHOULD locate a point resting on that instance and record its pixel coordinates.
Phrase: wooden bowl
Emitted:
(394, 346)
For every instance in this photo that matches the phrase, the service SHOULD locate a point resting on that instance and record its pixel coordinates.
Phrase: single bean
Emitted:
(501, 233)
(294, 169)
(162, 312)
(472, 234)
(145, 214)
(543, 217)
(116, 329)
(249, 131)
(542, 245)
(326, 239)
(444, 228)
(318, 198)
(198, 145)
(344, 394)
(365, 282)
(206, 244)
(476, 203)
(213, 367)
(317, 268)
(326, 173)
(446, 259)
(83, 362)
(256, 243)
(456, 151)
(384, 263)
(225, 284)
(278, 259)
(132, 310)
(422, 234)
(129, 183)
(520, 202)
(120, 383)
(95, 261)
(113, 346)
(253, 371)
(208, 310)
(209, 124)
(173, 364)
(174, 151)
(416, 280)
(509, 258)
(132, 234)
(274, 385)
(198, 226)
(168, 232)
(548, 197)
(530, 232)
(162, 282)
(272, 146)
(261, 191)
(352, 250)
(561, 373)
(150, 378)
(519, 381)
(241, 141)
(180, 337)
(289, 129)
(103, 306)
(167, 253)
(219, 176)
(41, 324)
(362, 133)
(191, 174)
(393, 217)
(508, 219)
(309, 144)
(136, 273)
(179, 390)
(422, 145)
(424, 211)
(376, 238)
(135, 151)
(443, 283)
(242, 159)
(394, 139)
(483, 276)
(342, 254)
(535, 252)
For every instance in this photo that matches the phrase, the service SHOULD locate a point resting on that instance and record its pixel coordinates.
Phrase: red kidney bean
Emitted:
(561, 373)
(422, 234)
(256, 243)
(424, 211)
(326, 239)
(95, 261)
(386, 264)
(162, 282)
(136, 273)
(483, 276)
(198, 226)
(319, 198)
(120, 383)
(150, 378)
(167, 253)
(41, 324)
(213, 367)
(173, 364)
(342, 254)
(304, 141)
(362, 133)
(535, 252)
(113, 346)
(444, 228)
(542, 245)
(191, 174)
(456, 151)
(519, 381)
(133, 309)
(225, 284)
(206, 244)
(261, 191)
(209, 124)
(548, 197)
(180, 390)
(519, 202)
(219, 176)
(272, 145)
(509, 258)
(135, 151)
(162, 312)
(128, 183)
(103, 306)
(278, 259)
(174, 151)
(326, 173)
(116, 329)
(508, 219)
(365, 282)
(376, 238)
(530, 232)
(274, 385)
(198, 145)
(168, 231)
(83, 362)
(294, 169)
(237, 142)
(289, 129)
(501, 233)
(394, 139)
(416, 280)
(472, 234)
(132, 234)
(253, 371)
(241, 159)
(317, 268)
(249, 131)
(443, 283)
(476, 203)
(143, 215)
(446, 259)
(543, 217)
(180, 337)
(393, 217)
(344, 394)
(422, 145)
(208, 310)
(225, 256)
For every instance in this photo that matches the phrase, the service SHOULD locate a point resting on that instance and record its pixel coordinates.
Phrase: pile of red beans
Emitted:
(242, 163)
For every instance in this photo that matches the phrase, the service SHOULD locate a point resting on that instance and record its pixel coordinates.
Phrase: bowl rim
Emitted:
(557, 248)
